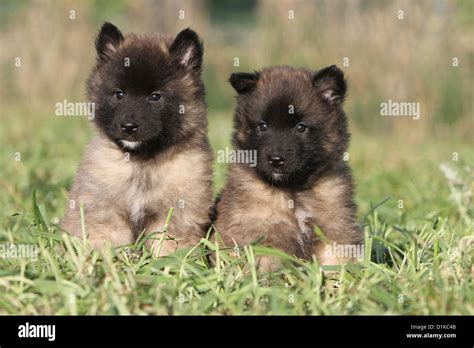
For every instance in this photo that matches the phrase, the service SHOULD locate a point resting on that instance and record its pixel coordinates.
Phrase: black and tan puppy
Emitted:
(293, 119)
(151, 150)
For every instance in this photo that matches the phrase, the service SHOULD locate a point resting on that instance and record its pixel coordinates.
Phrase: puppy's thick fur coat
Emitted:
(151, 151)
(293, 118)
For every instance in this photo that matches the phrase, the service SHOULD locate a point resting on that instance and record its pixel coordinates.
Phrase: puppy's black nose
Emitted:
(276, 161)
(129, 127)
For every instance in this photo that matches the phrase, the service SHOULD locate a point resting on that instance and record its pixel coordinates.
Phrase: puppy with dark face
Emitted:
(293, 119)
(151, 151)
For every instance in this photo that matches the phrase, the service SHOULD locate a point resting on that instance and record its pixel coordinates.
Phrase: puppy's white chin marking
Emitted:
(277, 176)
(130, 144)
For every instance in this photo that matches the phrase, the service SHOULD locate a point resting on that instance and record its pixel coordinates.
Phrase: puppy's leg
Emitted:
(116, 237)
(100, 227)
(180, 233)
(332, 206)
(266, 264)
(162, 242)
(333, 253)
(343, 239)
(284, 237)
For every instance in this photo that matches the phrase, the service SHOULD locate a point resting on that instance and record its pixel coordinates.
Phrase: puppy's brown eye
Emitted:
(119, 94)
(300, 127)
(262, 126)
(155, 96)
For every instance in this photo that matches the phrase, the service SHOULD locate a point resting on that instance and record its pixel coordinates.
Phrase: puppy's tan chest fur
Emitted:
(140, 193)
(253, 210)
(153, 188)
(287, 215)
(250, 209)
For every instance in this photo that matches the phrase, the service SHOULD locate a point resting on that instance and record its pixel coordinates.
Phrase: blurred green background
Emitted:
(409, 59)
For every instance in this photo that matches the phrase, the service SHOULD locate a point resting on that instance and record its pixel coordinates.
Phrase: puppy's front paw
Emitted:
(267, 264)
(163, 247)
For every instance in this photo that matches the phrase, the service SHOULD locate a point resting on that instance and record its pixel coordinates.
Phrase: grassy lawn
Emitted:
(414, 200)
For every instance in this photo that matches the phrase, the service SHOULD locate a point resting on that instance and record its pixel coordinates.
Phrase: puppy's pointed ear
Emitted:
(188, 50)
(108, 40)
(330, 84)
(244, 82)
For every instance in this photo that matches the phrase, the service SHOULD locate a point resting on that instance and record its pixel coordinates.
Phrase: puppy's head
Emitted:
(294, 119)
(147, 90)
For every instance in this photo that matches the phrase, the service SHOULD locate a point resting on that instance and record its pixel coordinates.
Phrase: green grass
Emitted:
(418, 257)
